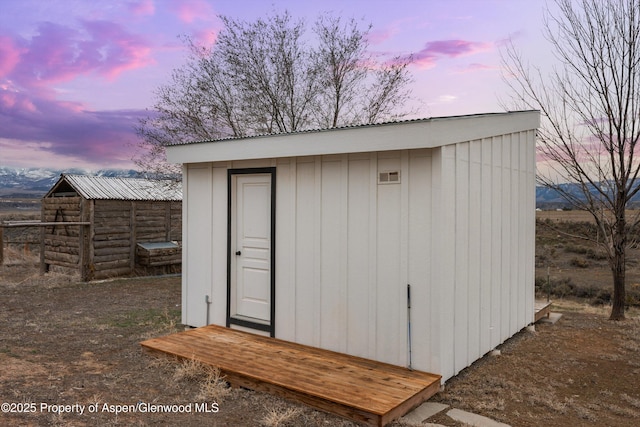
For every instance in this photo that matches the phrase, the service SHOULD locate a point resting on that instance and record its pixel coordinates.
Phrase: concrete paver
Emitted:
(553, 318)
(424, 411)
(474, 420)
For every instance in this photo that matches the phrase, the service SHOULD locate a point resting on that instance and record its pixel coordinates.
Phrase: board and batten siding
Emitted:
(458, 228)
(483, 247)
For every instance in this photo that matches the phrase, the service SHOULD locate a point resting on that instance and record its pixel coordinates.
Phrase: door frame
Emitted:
(270, 328)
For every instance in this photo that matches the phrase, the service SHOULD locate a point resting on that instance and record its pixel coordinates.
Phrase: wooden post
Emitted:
(83, 240)
(133, 237)
(167, 221)
(91, 239)
(43, 267)
(1, 245)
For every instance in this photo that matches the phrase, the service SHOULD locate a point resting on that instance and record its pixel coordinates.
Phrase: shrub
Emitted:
(633, 295)
(579, 262)
(563, 287)
(541, 283)
(596, 255)
(603, 297)
(586, 292)
(576, 249)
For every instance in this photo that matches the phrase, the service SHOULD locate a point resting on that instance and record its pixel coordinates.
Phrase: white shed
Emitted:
(313, 236)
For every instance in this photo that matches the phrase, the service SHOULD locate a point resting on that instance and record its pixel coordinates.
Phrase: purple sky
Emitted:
(75, 75)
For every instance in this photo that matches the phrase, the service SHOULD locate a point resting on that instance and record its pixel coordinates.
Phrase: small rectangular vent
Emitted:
(389, 177)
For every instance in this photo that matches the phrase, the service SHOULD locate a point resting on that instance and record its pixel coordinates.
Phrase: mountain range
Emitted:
(35, 182)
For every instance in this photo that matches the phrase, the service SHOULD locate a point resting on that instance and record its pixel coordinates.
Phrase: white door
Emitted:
(250, 267)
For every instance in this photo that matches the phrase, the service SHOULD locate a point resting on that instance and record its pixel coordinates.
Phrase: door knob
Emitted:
(238, 253)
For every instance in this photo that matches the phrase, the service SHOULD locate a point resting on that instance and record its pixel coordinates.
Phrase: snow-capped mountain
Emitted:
(35, 182)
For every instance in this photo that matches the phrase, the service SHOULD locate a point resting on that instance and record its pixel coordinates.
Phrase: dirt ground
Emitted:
(66, 343)
(77, 344)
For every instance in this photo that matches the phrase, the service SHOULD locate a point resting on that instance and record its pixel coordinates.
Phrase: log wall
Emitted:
(119, 225)
(106, 248)
(62, 243)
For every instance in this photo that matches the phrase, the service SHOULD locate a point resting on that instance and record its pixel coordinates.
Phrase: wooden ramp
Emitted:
(543, 309)
(363, 390)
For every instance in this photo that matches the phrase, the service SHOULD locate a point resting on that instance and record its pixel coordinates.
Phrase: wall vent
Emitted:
(389, 177)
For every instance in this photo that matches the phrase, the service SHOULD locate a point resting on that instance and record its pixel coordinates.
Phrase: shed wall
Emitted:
(117, 226)
(106, 248)
(483, 247)
(346, 248)
(62, 244)
(459, 228)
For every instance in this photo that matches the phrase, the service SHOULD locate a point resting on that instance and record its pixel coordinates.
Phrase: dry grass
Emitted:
(276, 417)
(23, 269)
(213, 387)
(626, 412)
(580, 306)
(189, 370)
(163, 322)
(573, 216)
(630, 400)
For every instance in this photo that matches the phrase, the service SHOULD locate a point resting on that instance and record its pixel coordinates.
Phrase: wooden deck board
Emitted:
(361, 389)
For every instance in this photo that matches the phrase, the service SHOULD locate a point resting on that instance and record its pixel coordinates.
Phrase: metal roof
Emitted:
(111, 188)
(406, 135)
(348, 126)
(158, 245)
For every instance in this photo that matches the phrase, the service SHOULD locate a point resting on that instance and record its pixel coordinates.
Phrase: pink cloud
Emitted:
(58, 53)
(453, 48)
(13, 153)
(7, 100)
(29, 110)
(190, 10)
(476, 67)
(142, 7)
(379, 36)
(15, 102)
(427, 56)
(9, 55)
(119, 51)
(205, 37)
(69, 129)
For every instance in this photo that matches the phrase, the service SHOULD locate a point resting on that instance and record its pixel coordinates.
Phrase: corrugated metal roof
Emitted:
(310, 130)
(110, 188)
(158, 245)
(351, 126)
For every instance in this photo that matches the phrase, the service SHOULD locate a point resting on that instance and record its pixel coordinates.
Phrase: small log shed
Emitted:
(112, 226)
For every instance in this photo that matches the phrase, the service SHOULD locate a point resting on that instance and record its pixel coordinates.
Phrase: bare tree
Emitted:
(271, 76)
(355, 87)
(590, 106)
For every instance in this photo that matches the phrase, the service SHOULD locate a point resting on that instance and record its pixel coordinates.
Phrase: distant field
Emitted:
(19, 205)
(564, 216)
(575, 216)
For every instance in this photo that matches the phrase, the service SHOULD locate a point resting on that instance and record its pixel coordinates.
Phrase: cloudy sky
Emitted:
(76, 75)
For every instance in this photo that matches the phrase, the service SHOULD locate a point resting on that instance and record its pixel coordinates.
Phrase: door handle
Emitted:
(238, 253)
